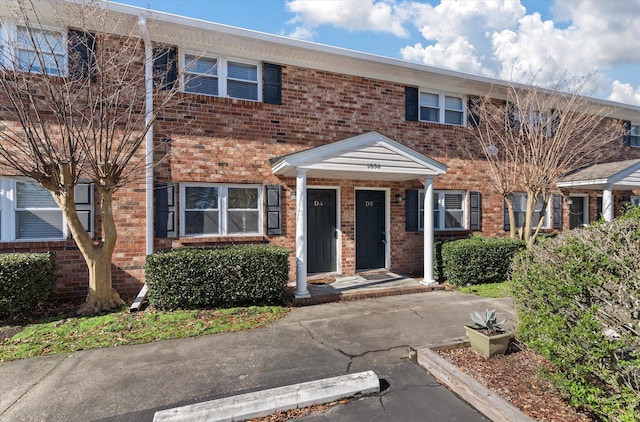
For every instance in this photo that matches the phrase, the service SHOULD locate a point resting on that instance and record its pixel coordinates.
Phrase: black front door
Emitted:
(321, 231)
(576, 212)
(370, 229)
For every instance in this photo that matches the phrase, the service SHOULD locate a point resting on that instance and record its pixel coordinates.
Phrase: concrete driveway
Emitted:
(131, 382)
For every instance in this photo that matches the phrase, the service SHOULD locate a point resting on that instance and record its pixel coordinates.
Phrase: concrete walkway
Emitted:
(131, 382)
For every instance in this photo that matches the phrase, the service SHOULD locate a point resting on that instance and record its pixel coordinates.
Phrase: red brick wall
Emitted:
(220, 140)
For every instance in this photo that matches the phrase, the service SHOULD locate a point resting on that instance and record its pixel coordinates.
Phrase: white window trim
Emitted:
(8, 208)
(223, 209)
(547, 213)
(222, 75)
(439, 206)
(9, 35)
(441, 106)
(635, 200)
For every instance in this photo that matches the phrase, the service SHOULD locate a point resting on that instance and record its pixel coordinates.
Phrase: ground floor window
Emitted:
(449, 211)
(519, 201)
(215, 210)
(29, 212)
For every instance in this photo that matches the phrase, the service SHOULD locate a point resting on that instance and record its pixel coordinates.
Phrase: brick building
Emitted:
(324, 151)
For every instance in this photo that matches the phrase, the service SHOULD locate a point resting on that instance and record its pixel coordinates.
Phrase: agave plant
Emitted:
(487, 322)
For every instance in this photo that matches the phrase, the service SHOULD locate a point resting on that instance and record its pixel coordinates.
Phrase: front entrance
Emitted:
(370, 229)
(321, 231)
(577, 212)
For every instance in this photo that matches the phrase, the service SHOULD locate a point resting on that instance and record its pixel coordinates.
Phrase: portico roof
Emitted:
(370, 156)
(619, 175)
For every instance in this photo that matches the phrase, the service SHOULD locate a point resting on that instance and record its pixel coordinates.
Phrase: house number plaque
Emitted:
(374, 166)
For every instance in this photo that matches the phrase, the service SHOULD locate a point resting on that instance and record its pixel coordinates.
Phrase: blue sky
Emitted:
(496, 38)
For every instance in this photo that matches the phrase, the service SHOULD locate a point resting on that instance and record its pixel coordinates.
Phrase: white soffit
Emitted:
(370, 156)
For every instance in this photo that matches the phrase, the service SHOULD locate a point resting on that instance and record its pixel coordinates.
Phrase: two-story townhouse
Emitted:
(352, 161)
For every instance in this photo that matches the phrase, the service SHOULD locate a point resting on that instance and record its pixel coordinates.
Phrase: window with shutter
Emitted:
(448, 210)
(218, 210)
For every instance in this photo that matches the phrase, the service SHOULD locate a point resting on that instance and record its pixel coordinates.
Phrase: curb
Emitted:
(466, 387)
(266, 402)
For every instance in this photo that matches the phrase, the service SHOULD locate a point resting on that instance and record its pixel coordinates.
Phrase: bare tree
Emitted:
(78, 117)
(534, 137)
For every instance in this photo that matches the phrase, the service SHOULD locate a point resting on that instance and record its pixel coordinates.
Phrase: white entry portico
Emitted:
(607, 177)
(371, 156)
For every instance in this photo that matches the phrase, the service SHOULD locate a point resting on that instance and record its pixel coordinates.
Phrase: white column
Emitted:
(428, 233)
(148, 170)
(301, 235)
(607, 203)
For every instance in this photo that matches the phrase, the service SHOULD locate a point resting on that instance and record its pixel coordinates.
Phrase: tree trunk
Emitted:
(97, 254)
(512, 216)
(102, 297)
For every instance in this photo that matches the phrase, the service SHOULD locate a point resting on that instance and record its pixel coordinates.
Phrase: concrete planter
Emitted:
(488, 346)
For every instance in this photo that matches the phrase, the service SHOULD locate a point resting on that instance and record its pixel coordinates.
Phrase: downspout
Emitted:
(148, 173)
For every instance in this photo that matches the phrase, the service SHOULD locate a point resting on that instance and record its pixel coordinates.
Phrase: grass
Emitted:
(68, 335)
(488, 290)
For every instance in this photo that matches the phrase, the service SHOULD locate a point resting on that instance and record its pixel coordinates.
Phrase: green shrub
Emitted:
(578, 303)
(478, 260)
(228, 276)
(26, 280)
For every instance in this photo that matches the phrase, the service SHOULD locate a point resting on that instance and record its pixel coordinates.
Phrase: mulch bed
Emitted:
(516, 378)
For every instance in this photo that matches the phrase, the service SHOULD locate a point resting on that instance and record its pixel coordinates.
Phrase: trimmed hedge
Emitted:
(578, 303)
(227, 276)
(26, 280)
(478, 260)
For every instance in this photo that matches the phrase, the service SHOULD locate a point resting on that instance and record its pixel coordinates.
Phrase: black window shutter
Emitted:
(627, 133)
(475, 211)
(472, 111)
(557, 211)
(274, 210)
(82, 59)
(165, 66)
(272, 84)
(411, 103)
(166, 211)
(507, 225)
(83, 195)
(411, 214)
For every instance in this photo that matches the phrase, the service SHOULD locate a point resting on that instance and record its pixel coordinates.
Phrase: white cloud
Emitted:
(624, 93)
(302, 33)
(488, 36)
(369, 15)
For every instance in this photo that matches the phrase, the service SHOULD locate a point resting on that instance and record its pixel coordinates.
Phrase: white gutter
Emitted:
(148, 171)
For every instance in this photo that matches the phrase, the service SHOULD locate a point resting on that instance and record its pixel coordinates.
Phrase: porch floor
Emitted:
(361, 286)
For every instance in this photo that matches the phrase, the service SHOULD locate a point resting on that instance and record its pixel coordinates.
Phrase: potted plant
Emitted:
(486, 335)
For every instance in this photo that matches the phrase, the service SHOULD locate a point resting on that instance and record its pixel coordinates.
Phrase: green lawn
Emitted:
(488, 290)
(68, 335)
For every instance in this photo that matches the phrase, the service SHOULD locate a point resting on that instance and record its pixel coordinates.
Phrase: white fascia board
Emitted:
(575, 183)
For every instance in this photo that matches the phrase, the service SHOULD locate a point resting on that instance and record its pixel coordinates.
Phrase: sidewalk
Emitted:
(131, 382)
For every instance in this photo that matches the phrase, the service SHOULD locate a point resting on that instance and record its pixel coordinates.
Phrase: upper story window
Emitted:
(220, 210)
(441, 108)
(534, 122)
(634, 136)
(222, 77)
(28, 211)
(449, 210)
(201, 75)
(40, 50)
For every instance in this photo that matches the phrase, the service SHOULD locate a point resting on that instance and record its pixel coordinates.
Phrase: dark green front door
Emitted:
(576, 212)
(370, 229)
(321, 231)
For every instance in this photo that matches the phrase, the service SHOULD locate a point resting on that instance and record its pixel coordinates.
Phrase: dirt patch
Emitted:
(516, 378)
